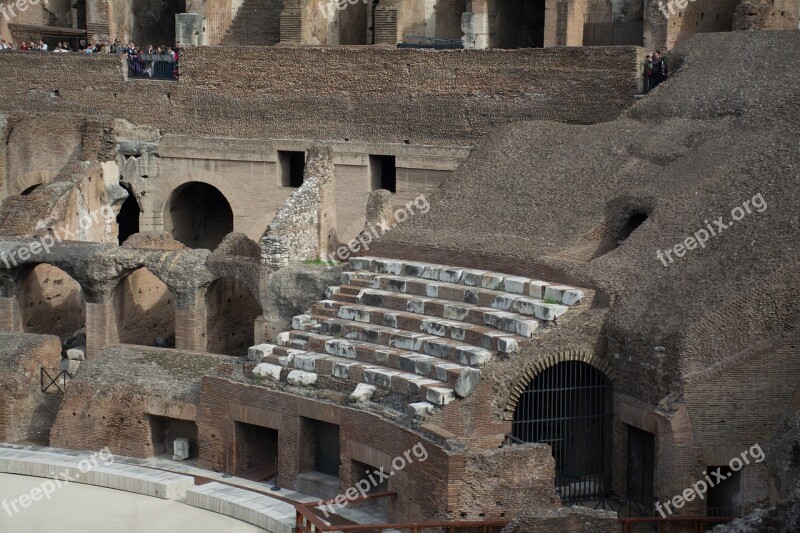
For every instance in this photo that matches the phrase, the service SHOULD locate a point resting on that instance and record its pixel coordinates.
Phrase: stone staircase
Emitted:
(415, 329)
(257, 23)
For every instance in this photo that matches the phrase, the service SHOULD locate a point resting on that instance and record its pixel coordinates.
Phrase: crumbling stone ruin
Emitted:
(446, 239)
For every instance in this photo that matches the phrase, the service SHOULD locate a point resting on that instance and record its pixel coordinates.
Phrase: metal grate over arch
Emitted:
(568, 406)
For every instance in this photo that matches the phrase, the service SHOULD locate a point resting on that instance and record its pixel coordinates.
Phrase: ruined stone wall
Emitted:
(764, 15)
(109, 401)
(448, 97)
(505, 480)
(445, 485)
(302, 228)
(25, 412)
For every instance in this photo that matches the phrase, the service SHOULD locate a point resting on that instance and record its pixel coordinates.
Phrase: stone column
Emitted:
(475, 25)
(190, 322)
(101, 325)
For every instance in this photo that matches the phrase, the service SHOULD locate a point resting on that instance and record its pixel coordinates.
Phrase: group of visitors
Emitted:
(151, 61)
(159, 62)
(655, 70)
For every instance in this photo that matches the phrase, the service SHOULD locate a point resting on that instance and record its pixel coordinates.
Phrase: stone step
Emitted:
(522, 286)
(262, 511)
(282, 366)
(418, 340)
(502, 301)
(409, 307)
(478, 335)
(459, 294)
(365, 354)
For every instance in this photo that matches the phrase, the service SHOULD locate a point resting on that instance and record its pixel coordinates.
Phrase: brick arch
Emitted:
(533, 369)
(31, 179)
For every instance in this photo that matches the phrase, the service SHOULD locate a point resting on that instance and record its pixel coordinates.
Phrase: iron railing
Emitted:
(153, 66)
(308, 522)
(53, 381)
(613, 33)
(699, 524)
(416, 41)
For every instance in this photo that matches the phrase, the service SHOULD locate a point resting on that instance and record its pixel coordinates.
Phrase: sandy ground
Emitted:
(80, 508)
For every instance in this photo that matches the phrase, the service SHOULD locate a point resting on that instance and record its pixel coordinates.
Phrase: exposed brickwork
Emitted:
(303, 93)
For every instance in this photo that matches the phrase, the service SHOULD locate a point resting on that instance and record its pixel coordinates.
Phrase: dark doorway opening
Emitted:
(198, 215)
(80, 11)
(153, 21)
(641, 469)
(520, 24)
(128, 218)
(30, 189)
(256, 451)
(383, 170)
(568, 406)
(164, 430)
(630, 225)
(326, 448)
(724, 498)
(292, 166)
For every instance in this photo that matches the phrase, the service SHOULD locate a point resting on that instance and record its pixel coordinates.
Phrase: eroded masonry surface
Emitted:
(451, 240)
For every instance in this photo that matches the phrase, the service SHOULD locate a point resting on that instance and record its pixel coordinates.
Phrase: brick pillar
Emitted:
(10, 317)
(551, 23)
(570, 16)
(97, 24)
(101, 326)
(190, 322)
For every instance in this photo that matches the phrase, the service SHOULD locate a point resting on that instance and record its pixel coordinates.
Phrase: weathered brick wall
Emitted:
(379, 95)
(25, 412)
(766, 15)
(500, 482)
(446, 484)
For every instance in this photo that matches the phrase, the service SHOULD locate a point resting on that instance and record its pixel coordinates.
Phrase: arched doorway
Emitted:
(144, 310)
(231, 311)
(568, 406)
(128, 218)
(198, 215)
(51, 302)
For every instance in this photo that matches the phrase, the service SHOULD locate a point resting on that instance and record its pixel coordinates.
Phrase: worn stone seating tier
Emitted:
(417, 329)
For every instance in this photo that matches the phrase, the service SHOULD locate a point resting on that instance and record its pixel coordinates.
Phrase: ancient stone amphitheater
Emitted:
(367, 288)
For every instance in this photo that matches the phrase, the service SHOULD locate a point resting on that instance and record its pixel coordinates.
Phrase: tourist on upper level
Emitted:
(117, 48)
(42, 46)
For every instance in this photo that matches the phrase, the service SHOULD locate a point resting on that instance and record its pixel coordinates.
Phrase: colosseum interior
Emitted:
(400, 266)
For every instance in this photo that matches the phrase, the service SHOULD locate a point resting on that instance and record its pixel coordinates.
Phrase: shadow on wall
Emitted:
(144, 310)
(231, 311)
(51, 302)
